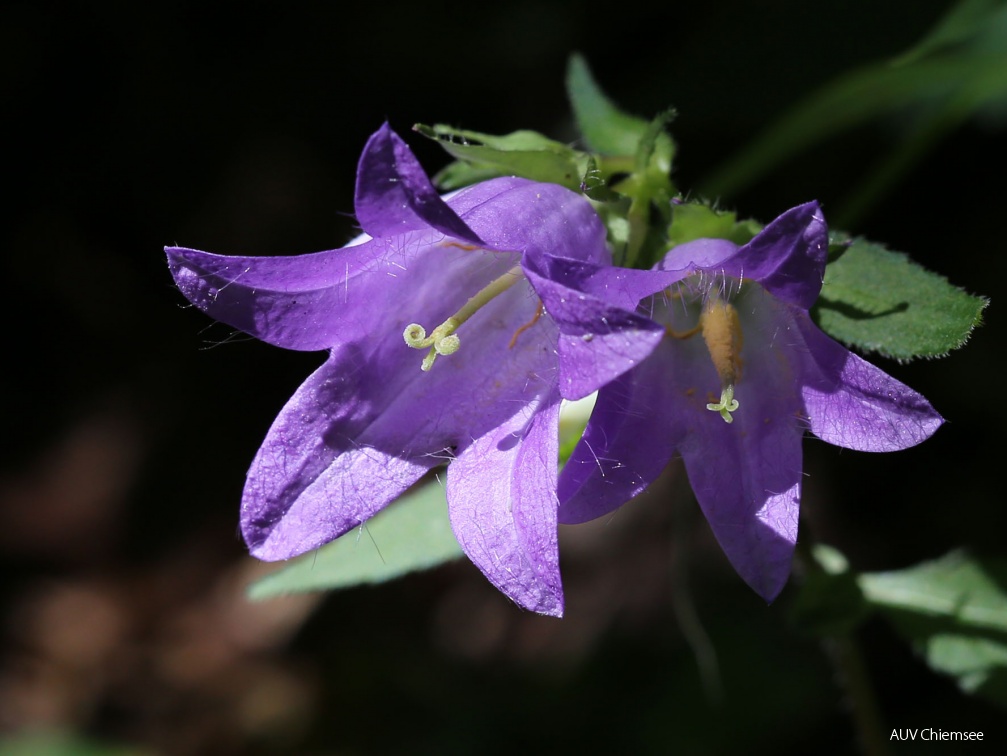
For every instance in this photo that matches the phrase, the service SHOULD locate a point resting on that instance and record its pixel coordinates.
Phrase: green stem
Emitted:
(852, 670)
(848, 661)
(682, 605)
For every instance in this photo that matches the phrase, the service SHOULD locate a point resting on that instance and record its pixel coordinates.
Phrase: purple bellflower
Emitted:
(742, 373)
(514, 280)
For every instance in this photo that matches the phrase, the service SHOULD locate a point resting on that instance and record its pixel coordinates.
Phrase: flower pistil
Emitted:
(443, 339)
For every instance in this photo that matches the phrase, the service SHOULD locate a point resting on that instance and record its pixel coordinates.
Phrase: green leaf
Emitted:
(963, 22)
(411, 534)
(882, 302)
(60, 743)
(980, 664)
(521, 153)
(605, 128)
(957, 586)
(954, 612)
(957, 70)
(860, 97)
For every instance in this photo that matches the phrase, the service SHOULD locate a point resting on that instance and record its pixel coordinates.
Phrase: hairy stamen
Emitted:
(721, 329)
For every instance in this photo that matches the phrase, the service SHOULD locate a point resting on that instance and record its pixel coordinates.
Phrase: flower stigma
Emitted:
(443, 340)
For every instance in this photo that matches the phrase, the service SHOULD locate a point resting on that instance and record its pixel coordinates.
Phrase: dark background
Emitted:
(130, 419)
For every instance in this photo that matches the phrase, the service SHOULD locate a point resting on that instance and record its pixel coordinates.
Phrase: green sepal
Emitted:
(882, 302)
(595, 184)
(954, 612)
(650, 192)
(655, 151)
(458, 174)
(520, 153)
(613, 215)
(693, 220)
(411, 534)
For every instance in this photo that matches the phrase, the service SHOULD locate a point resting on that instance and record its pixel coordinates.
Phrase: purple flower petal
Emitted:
(852, 403)
(312, 480)
(303, 302)
(394, 194)
(700, 254)
(321, 300)
(598, 341)
(369, 422)
(589, 361)
(501, 495)
(624, 288)
(788, 256)
(537, 220)
(747, 480)
(627, 443)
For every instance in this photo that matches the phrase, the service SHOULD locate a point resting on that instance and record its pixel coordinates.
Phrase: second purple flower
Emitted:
(740, 377)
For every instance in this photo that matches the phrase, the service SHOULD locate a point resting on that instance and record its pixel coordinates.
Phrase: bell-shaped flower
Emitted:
(455, 325)
(740, 376)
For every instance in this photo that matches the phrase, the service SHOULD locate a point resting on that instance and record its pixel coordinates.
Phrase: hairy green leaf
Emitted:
(881, 301)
